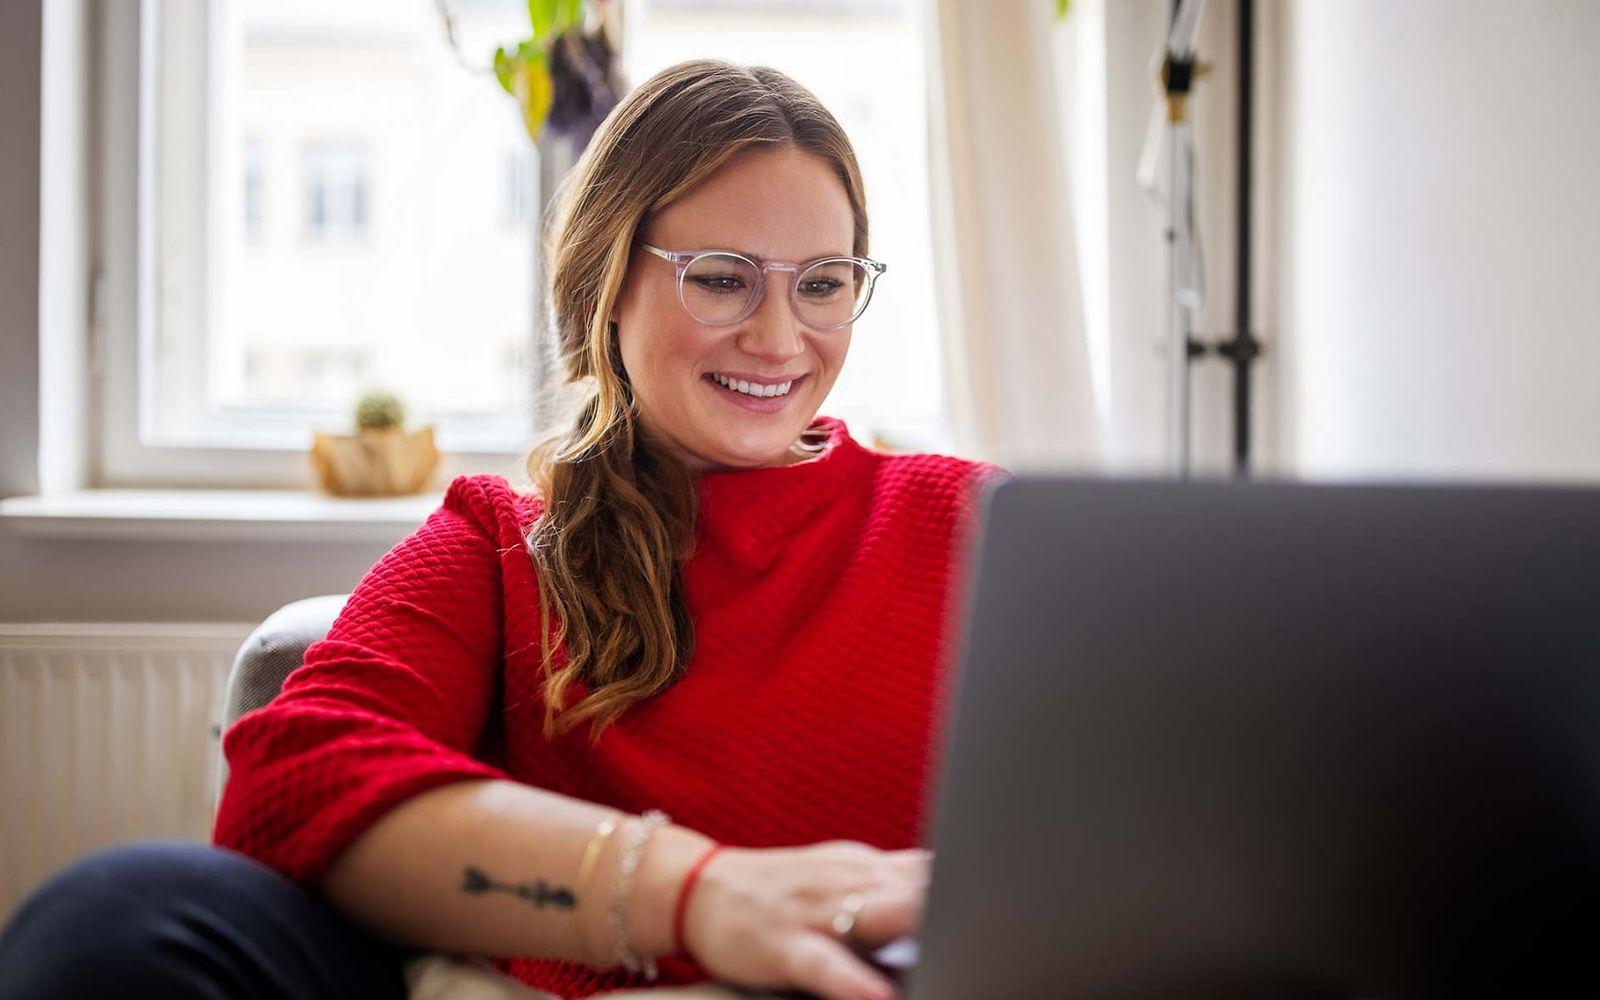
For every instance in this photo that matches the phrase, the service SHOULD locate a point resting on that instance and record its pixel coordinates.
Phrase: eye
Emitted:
(719, 275)
(828, 281)
(820, 288)
(718, 282)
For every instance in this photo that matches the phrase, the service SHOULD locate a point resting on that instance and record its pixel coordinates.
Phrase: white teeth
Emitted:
(752, 388)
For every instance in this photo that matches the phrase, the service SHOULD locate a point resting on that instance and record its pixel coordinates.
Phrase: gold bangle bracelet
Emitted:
(591, 855)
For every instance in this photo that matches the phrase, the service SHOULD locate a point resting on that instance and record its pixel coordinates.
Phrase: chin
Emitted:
(751, 458)
(751, 449)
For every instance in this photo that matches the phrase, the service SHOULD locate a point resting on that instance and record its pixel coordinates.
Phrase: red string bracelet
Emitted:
(683, 896)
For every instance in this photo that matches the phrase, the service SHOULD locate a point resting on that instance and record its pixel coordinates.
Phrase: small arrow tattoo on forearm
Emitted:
(540, 893)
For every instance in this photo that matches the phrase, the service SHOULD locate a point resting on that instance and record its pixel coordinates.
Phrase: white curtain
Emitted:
(1017, 357)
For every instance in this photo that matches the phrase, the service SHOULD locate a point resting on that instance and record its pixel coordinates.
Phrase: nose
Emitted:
(773, 332)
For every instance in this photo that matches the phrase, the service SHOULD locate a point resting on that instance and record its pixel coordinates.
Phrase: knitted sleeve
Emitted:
(980, 477)
(389, 704)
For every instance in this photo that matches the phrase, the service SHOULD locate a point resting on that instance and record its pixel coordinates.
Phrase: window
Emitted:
(864, 61)
(521, 187)
(302, 201)
(336, 191)
(319, 202)
(252, 190)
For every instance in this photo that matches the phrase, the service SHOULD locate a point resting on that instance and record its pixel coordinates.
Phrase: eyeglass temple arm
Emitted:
(666, 255)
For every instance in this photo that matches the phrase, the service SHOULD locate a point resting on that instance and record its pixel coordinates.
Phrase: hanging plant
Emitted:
(563, 77)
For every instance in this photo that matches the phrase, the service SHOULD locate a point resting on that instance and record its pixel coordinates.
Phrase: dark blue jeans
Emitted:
(170, 918)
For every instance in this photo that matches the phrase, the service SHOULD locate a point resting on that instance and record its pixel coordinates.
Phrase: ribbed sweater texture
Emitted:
(825, 596)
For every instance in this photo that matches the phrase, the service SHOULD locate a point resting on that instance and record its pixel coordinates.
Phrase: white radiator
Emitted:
(108, 734)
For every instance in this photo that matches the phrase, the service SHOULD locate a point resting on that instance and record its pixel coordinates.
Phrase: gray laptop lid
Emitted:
(1282, 739)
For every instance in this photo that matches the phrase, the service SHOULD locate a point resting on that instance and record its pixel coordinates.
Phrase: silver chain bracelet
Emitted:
(622, 880)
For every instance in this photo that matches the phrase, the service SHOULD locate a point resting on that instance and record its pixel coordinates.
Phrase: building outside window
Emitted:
(335, 178)
(253, 184)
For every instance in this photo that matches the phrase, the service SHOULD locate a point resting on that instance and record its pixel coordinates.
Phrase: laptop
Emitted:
(1284, 739)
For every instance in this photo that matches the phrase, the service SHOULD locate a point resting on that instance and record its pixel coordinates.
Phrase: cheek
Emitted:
(659, 353)
(648, 332)
(833, 352)
(674, 348)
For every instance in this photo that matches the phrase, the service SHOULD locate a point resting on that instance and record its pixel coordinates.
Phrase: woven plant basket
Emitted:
(374, 462)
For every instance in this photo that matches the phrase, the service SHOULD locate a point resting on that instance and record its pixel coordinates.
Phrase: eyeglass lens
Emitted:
(718, 288)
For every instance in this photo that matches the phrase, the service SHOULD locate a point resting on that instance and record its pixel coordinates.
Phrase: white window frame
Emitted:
(123, 293)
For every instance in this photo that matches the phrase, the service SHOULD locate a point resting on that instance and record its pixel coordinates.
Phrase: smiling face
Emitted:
(769, 205)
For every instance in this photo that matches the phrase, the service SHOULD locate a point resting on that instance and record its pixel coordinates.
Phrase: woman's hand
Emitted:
(763, 917)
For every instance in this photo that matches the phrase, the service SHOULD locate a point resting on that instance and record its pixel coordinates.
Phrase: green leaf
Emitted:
(570, 14)
(1061, 9)
(503, 69)
(542, 13)
(531, 51)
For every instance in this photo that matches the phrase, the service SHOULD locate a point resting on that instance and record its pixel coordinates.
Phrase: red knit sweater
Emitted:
(822, 594)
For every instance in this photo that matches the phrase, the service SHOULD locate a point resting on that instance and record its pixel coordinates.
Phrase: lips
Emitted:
(754, 387)
(755, 404)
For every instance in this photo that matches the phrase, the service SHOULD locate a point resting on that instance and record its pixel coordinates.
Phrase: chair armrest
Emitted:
(269, 655)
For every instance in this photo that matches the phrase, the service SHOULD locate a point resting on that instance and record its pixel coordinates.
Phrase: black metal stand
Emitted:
(1243, 348)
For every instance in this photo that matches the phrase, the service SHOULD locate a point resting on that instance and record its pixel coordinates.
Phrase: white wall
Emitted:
(1438, 264)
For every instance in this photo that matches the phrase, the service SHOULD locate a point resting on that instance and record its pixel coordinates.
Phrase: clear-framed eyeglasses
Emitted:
(721, 287)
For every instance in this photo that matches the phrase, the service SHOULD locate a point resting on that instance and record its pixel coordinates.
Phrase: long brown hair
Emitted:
(619, 508)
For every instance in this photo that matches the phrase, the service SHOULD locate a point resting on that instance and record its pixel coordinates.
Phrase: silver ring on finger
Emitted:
(845, 920)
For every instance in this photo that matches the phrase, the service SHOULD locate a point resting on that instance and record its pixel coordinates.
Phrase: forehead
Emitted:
(775, 204)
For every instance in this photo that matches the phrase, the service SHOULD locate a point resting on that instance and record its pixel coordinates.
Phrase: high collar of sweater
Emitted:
(751, 508)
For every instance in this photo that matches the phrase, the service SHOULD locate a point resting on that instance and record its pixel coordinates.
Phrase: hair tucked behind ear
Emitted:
(619, 509)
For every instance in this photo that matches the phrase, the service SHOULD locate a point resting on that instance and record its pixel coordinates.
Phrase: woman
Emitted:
(713, 605)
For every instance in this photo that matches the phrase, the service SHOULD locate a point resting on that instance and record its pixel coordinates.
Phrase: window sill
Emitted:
(217, 516)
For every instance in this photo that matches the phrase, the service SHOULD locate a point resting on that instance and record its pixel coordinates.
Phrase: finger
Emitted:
(823, 966)
(916, 860)
(902, 876)
(914, 856)
(886, 915)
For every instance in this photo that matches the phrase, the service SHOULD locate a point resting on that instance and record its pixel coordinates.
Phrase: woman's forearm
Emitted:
(491, 867)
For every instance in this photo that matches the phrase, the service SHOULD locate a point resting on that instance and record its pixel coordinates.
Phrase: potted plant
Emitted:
(381, 458)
